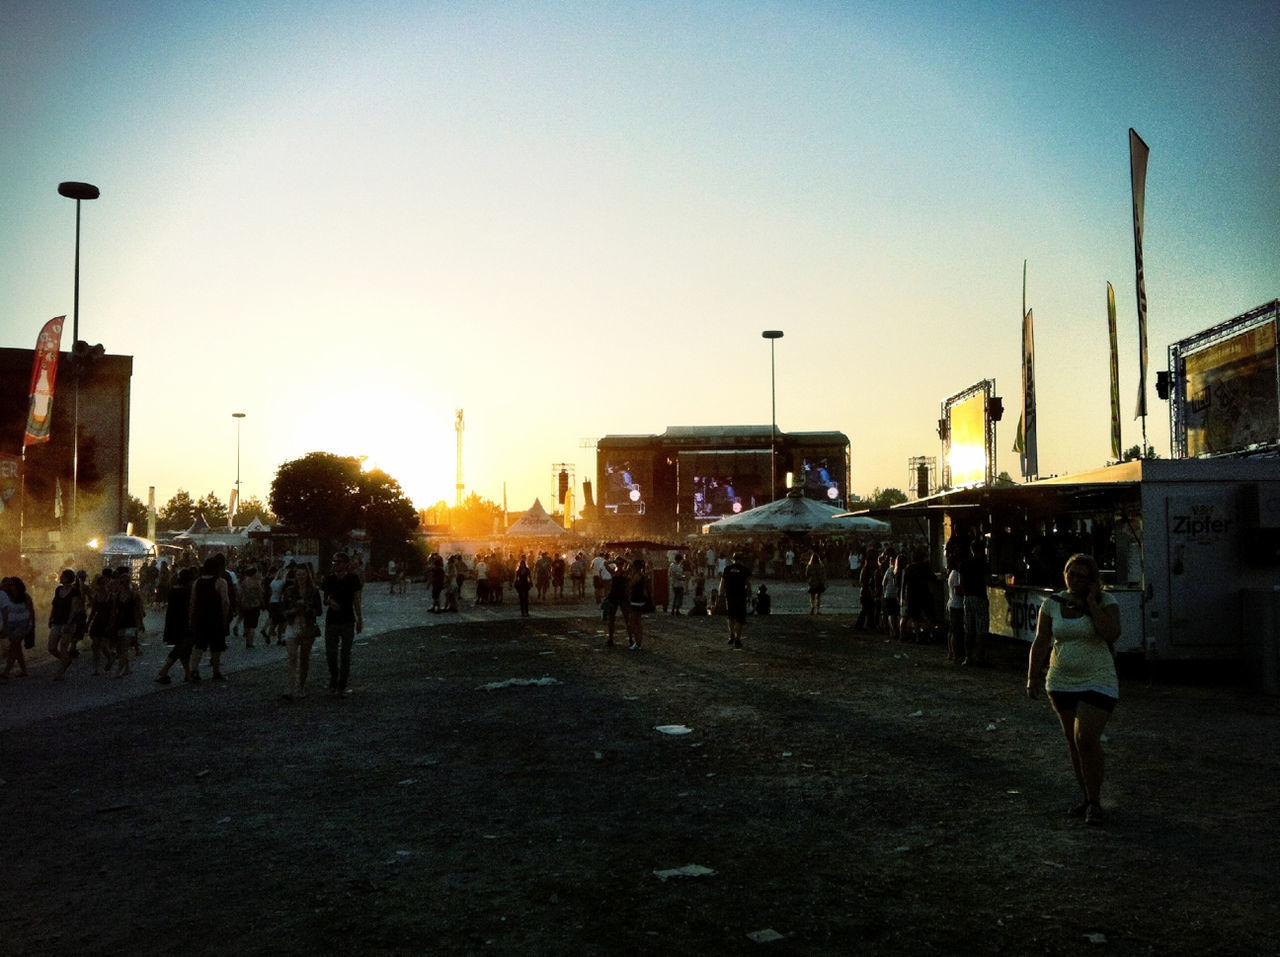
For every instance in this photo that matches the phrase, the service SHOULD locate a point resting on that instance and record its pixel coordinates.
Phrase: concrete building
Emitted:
(37, 516)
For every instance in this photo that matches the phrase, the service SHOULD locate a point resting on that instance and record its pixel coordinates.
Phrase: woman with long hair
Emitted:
(18, 624)
(66, 605)
(815, 574)
(1074, 651)
(301, 604)
(177, 627)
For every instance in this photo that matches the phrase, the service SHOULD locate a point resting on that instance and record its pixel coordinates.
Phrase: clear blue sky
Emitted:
(574, 219)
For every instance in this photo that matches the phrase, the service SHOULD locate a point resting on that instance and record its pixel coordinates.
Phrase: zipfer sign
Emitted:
(1200, 523)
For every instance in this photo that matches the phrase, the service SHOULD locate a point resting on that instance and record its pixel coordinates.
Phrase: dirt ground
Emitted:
(844, 794)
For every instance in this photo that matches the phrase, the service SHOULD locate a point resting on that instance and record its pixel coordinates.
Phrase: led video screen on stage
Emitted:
(626, 482)
(1230, 399)
(823, 479)
(966, 445)
(718, 496)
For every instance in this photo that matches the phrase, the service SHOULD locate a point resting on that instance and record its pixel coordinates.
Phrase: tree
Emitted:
(1135, 452)
(252, 508)
(1004, 480)
(476, 517)
(326, 496)
(178, 513)
(135, 512)
(317, 495)
(389, 518)
(214, 512)
(885, 498)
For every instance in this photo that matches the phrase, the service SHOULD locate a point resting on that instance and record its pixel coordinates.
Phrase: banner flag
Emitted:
(1020, 437)
(1031, 457)
(1115, 374)
(231, 509)
(1138, 153)
(44, 372)
(57, 497)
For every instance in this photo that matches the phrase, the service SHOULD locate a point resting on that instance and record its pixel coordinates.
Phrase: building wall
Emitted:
(103, 470)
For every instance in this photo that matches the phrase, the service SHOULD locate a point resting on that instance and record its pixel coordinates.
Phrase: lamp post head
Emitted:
(78, 190)
(771, 334)
(237, 415)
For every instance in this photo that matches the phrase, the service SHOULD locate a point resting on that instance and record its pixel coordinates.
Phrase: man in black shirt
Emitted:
(735, 588)
(343, 619)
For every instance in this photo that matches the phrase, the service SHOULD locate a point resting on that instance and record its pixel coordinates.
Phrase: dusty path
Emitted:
(842, 794)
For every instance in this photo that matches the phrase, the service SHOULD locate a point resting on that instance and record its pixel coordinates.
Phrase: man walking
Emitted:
(678, 578)
(735, 588)
(343, 619)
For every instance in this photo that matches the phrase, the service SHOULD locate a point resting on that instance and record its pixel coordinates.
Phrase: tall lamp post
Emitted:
(78, 192)
(771, 335)
(238, 416)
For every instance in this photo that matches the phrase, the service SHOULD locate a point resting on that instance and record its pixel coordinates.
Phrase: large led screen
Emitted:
(967, 447)
(625, 486)
(717, 496)
(1231, 400)
(822, 479)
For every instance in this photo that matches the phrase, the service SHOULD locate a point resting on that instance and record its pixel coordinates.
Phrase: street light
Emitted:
(771, 335)
(237, 416)
(78, 192)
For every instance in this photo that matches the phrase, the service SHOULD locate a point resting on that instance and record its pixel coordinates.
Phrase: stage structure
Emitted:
(968, 433)
(688, 476)
(1223, 387)
(922, 475)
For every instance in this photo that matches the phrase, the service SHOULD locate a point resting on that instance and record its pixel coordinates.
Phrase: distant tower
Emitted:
(457, 424)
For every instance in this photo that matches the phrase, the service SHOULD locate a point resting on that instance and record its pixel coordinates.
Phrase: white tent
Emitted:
(129, 551)
(536, 523)
(129, 546)
(795, 514)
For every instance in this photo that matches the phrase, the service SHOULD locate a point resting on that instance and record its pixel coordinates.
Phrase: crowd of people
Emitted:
(205, 606)
(208, 604)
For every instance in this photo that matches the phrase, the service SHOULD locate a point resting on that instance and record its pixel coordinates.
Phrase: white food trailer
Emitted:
(1189, 547)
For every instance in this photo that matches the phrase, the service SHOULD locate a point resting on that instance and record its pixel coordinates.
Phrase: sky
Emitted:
(571, 220)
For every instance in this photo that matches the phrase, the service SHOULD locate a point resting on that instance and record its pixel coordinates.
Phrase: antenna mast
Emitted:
(457, 424)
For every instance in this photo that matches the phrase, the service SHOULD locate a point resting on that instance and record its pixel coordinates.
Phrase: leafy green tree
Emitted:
(887, 497)
(252, 508)
(178, 513)
(135, 511)
(389, 518)
(327, 497)
(1136, 452)
(476, 517)
(214, 512)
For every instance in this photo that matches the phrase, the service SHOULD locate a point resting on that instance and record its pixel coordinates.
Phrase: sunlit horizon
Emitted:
(571, 221)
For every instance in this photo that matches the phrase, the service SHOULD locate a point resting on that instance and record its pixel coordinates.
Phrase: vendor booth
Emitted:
(1181, 544)
(128, 551)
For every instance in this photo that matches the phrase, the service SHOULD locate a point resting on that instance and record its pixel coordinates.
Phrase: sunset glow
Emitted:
(569, 220)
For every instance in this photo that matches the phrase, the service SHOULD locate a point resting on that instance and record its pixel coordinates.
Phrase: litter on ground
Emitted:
(689, 870)
(518, 682)
(672, 729)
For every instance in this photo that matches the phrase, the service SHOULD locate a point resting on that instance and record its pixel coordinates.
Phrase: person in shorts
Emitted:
(1074, 649)
(65, 607)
